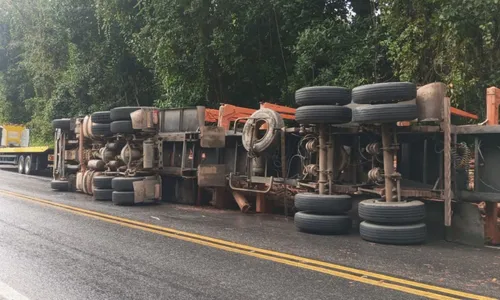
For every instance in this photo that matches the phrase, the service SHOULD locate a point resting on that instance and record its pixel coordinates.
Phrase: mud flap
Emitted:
(147, 190)
(212, 137)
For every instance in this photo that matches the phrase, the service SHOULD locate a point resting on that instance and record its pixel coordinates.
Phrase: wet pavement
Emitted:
(47, 253)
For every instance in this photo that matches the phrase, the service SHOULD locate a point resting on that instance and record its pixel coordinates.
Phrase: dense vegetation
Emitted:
(63, 58)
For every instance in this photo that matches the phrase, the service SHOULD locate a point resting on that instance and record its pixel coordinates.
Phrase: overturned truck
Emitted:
(384, 154)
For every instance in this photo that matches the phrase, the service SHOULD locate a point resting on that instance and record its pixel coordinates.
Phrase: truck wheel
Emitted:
(102, 182)
(388, 92)
(102, 194)
(270, 138)
(123, 113)
(323, 114)
(101, 117)
(322, 224)
(124, 184)
(59, 185)
(378, 211)
(28, 165)
(322, 95)
(72, 169)
(63, 124)
(122, 127)
(123, 198)
(101, 130)
(393, 234)
(20, 164)
(323, 204)
(384, 113)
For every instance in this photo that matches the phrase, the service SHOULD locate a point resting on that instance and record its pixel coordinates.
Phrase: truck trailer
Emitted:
(383, 157)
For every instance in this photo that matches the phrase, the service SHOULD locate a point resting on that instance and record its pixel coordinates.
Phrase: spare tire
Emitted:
(384, 113)
(123, 127)
(63, 124)
(123, 113)
(322, 224)
(378, 211)
(393, 234)
(270, 139)
(387, 92)
(323, 114)
(323, 204)
(101, 117)
(323, 95)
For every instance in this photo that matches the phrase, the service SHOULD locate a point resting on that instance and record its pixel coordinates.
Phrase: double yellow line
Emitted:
(371, 278)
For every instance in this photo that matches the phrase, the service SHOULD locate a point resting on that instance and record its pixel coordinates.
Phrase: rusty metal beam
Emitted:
(323, 159)
(446, 125)
(491, 230)
(388, 162)
(241, 201)
(463, 113)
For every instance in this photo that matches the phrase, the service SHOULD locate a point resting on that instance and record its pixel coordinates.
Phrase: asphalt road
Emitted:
(49, 253)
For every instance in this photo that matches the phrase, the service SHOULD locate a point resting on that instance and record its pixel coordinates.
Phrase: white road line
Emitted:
(8, 293)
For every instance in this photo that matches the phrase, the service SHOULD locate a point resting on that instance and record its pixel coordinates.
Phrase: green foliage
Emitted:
(63, 58)
(454, 41)
(56, 62)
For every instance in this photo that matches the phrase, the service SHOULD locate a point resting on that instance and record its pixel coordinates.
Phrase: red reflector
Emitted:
(155, 116)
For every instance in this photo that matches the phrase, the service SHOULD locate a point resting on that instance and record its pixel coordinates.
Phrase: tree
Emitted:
(454, 41)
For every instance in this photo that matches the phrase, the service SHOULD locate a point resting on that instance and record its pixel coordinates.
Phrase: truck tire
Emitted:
(323, 204)
(72, 169)
(123, 198)
(20, 164)
(323, 114)
(28, 165)
(271, 137)
(393, 234)
(101, 117)
(124, 184)
(382, 212)
(101, 130)
(384, 113)
(59, 185)
(63, 124)
(122, 127)
(388, 92)
(123, 113)
(322, 224)
(102, 182)
(322, 95)
(102, 194)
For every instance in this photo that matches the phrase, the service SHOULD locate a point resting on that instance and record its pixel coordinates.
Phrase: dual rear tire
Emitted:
(323, 105)
(395, 223)
(25, 165)
(322, 214)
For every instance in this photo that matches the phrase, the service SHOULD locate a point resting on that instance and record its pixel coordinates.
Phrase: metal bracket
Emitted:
(270, 186)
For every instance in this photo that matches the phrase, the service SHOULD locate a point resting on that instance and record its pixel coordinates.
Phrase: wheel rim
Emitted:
(27, 165)
(20, 164)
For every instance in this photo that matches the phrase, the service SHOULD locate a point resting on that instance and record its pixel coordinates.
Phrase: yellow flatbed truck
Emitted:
(15, 150)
